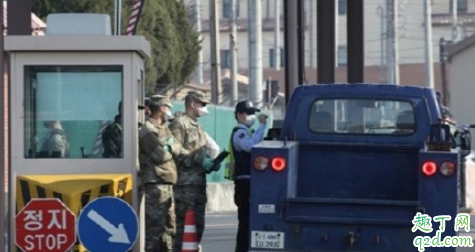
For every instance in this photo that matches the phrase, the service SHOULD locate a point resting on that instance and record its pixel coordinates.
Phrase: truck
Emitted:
(358, 167)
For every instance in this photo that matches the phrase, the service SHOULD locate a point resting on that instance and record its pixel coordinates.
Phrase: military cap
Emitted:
(197, 96)
(247, 107)
(120, 107)
(160, 100)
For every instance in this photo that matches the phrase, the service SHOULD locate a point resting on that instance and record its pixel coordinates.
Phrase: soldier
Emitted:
(158, 174)
(112, 135)
(190, 189)
(243, 138)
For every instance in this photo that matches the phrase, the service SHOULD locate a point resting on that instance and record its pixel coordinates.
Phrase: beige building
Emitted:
(462, 86)
(410, 30)
(410, 33)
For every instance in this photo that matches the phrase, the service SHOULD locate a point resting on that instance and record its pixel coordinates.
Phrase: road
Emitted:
(220, 234)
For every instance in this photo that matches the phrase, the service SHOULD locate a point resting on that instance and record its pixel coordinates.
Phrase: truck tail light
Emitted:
(429, 168)
(261, 163)
(278, 163)
(447, 168)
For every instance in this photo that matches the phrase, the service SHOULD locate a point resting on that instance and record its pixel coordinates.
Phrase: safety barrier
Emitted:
(75, 190)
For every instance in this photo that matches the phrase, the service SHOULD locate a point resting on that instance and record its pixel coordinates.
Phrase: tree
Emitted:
(164, 23)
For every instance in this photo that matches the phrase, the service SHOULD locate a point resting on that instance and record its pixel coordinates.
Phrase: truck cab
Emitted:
(353, 166)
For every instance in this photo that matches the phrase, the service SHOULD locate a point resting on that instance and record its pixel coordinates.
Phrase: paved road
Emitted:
(220, 234)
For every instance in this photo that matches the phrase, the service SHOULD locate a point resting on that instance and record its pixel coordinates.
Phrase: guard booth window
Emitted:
(362, 116)
(67, 108)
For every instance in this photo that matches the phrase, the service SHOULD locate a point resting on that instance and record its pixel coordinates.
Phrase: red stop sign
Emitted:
(45, 225)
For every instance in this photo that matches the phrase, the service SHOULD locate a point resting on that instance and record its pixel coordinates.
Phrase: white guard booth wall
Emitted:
(64, 91)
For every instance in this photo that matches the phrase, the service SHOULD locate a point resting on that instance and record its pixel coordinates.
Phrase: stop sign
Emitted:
(45, 225)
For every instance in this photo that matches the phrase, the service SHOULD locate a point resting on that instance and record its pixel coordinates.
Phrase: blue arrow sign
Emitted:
(108, 224)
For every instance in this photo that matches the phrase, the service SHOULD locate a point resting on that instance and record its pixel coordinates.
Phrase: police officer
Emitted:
(243, 138)
(190, 189)
(158, 174)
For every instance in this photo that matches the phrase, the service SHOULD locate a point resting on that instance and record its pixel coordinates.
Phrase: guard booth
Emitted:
(64, 91)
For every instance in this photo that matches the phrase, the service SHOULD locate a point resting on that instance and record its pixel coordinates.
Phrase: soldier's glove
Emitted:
(216, 167)
(171, 141)
(208, 164)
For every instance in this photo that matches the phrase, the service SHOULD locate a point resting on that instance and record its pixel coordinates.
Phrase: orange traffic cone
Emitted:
(190, 238)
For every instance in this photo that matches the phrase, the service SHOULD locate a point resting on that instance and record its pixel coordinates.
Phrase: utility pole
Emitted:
(454, 21)
(234, 56)
(392, 42)
(395, 42)
(389, 52)
(216, 88)
(255, 51)
(443, 60)
(3, 145)
(381, 46)
(277, 36)
(117, 17)
(199, 72)
(428, 44)
(337, 15)
(312, 32)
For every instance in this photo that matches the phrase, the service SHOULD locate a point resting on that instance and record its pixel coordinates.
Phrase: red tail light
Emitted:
(429, 168)
(278, 163)
(447, 168)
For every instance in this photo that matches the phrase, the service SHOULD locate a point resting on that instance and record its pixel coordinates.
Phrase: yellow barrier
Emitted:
(75, 191)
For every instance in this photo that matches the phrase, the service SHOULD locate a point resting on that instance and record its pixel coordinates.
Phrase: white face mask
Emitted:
(250, 120)
(202, 111)
(168, 115)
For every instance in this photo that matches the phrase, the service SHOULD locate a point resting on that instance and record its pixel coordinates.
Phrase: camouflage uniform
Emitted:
(190, 189)
(157, 175)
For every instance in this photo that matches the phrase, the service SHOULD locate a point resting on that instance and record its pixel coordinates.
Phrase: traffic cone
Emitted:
(190, 238)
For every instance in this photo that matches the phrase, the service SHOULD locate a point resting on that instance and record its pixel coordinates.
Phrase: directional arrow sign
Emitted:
(118, 234)
(108, 224)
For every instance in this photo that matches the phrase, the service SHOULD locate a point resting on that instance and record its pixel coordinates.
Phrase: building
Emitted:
(410, 31)
(461, 61)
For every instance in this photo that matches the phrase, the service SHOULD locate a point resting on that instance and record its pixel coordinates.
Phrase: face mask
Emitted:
(168, 115)
(202, 111)
(250, 119)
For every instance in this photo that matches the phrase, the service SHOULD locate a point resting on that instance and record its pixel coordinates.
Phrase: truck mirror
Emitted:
(463, 139)
(273, 134)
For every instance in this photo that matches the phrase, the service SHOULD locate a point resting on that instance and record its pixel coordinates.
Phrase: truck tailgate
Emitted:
(358, 199)
(357, 173)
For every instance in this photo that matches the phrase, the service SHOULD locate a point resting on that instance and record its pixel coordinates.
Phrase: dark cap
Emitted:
(160, 100)
(120, 107)
(247, 107)
(197, 96)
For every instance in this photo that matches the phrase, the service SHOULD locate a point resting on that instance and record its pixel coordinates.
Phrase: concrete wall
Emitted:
(462, 87)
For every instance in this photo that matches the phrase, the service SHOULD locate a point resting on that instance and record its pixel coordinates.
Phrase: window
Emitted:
(362, 116)
(67, 109)
(272, 57)
(225, 57)
(341, 7)
(342, 55)
(227, 8)
(462, 6)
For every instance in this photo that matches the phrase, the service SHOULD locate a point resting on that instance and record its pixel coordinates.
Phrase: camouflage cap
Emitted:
(160, 100)
(197, 96)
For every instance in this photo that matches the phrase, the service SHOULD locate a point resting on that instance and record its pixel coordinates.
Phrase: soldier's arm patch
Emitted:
(242, 135)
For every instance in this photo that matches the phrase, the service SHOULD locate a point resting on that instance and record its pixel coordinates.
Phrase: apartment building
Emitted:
(410, 30)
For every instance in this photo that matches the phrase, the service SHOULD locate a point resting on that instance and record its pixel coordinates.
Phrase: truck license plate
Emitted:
(270, 240)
